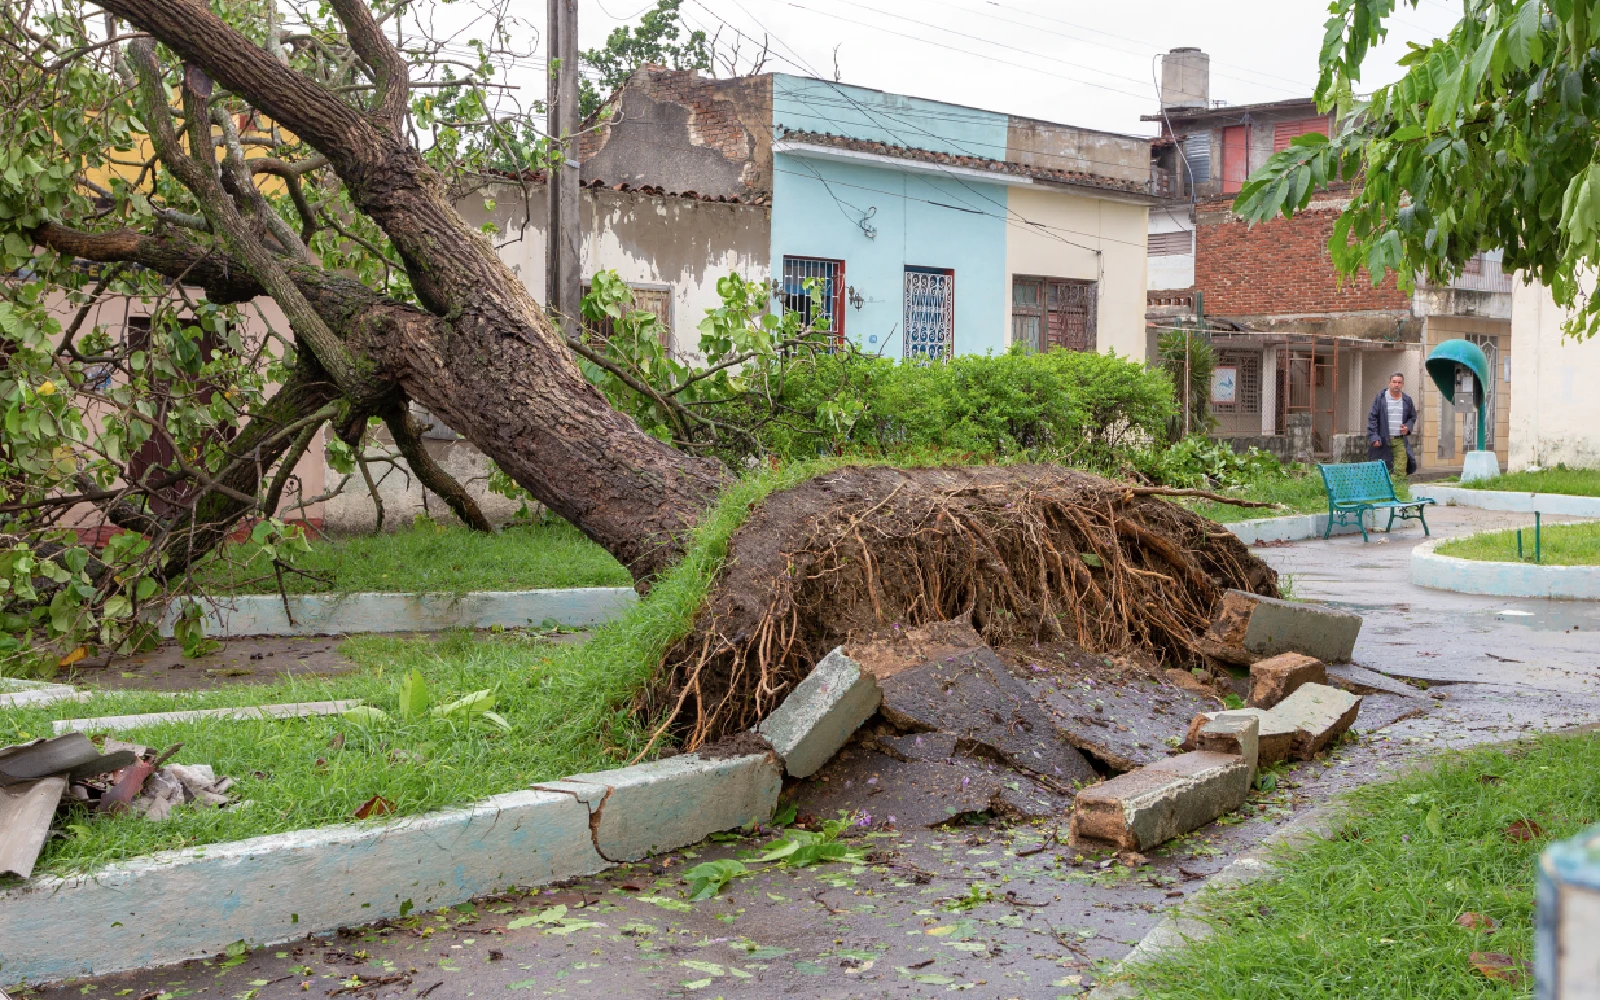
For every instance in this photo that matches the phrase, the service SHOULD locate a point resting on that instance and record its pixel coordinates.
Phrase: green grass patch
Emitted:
(570, 707)
(1372, 912)
(1560, 545)
(1298, 493)
(427, 558)
(1576, 482)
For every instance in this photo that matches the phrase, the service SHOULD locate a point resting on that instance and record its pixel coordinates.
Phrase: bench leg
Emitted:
(1389, 528)
(1361, 522)
(1422, 515)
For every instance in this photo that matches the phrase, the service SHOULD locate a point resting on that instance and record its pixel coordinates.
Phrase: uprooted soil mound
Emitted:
(1030, 553)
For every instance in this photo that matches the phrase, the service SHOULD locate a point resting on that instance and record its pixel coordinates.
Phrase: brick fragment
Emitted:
(1277, 677)
(1143, 808)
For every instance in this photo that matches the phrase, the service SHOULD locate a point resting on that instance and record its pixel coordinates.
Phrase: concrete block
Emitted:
(193, 903)
(821, 713)
(1233, 733)
(1277, 677)
(1249, 627)
(15, 692)
(637, 811)
(1319, 714)
(1274, 739)
(1143, 808)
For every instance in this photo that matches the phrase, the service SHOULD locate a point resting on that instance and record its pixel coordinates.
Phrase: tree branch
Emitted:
(407, 433)
(387, 64)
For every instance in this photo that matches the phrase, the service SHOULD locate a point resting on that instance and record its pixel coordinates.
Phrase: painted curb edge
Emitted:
(1501, 579)
(1544, 503)
(1289, 528)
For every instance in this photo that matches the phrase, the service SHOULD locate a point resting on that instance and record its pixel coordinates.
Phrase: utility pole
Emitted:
(561, 277)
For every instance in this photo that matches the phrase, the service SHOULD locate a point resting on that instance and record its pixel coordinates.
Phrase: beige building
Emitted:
(1555, 418)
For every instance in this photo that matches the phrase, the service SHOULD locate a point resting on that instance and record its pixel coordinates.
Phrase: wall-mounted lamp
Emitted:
(855, 298)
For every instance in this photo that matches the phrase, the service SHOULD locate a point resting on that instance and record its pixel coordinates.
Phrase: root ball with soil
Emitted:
(1030, 553)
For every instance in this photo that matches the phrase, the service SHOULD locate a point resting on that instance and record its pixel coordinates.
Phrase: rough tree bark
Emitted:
(484, 357)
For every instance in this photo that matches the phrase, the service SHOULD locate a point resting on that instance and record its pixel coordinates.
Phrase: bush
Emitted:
(1198, 462)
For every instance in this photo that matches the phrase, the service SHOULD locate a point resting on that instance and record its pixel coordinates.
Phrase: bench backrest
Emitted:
(1358, 482)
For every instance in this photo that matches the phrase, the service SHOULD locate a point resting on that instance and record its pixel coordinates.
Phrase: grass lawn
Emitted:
(1561, 545)
(569, 706)
(1577, 482)
(424, 558)
(1298, 493)
(1374, 911)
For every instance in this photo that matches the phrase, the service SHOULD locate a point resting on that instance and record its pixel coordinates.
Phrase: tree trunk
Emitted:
(493, 367)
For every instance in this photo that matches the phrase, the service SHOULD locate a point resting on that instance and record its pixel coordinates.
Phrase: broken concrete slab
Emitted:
(639, 810)
(1248, 627)
(15, 692)
(1319, 714)
(1233, 733)
(934, 784)
(1277, 677)
(26, 809)
(113, 723)
(1124, 725)
(1360, 680)
(1143, 808)
(821, 713)
(972, 695)
(1274, 738)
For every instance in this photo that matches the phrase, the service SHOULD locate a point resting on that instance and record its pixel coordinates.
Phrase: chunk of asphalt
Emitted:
(921, 792)
(974, 697)
(1277, 677)
(1319, 714)
(1124, 725)
(1360, 680)
(1248, 627)
(1143, 808)
(821, 713)
(919, 746)
(1274, 738)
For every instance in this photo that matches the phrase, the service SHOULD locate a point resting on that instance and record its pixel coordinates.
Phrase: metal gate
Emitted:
(930, 312)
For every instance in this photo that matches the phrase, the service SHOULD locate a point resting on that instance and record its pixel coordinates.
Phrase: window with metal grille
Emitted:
(1284, 132)
(1171, 244)
(795, 294)
(654, 300)
(1246, 366)
(1053, 312)
(930, 312)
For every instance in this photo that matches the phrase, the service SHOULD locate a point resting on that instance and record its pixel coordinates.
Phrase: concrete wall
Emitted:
(1165, 272)
(1556, 414)
(653, 241)
(1077, 227)
(807, 105)
(1050, 146)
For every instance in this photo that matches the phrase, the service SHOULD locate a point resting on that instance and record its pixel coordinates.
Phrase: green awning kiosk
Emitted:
(1446, 363)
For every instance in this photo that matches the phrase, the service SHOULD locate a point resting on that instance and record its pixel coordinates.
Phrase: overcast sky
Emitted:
(1080, 63)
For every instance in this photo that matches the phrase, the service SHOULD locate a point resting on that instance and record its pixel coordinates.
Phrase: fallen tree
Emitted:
(392, 298)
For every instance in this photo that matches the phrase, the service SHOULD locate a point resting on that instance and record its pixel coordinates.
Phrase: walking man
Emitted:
(1389, 424)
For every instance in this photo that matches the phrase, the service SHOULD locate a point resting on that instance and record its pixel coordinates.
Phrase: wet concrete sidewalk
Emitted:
(987, 910)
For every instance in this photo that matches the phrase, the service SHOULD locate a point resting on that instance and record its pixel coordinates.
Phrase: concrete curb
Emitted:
(1293, 528)
(1179, 928)
(1544, 503)
(1501, 579)
(177, 905)
(18, 692)
(338, 614)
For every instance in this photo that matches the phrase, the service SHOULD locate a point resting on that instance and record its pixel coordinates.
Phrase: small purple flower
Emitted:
(1405, 838)
(965, 782)
(919, 741)
(865, 819)
(872, 780)
(891, 821)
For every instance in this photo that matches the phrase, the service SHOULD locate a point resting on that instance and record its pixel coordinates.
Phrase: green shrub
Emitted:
(1199, 462)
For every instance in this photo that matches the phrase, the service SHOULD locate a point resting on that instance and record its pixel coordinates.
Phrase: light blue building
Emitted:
(933, 228)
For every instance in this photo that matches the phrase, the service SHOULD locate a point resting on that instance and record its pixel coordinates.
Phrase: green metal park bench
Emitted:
(1357, 487)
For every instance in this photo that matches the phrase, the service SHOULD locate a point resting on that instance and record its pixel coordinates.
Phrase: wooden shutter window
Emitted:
(1284, 132)
(1173, 244)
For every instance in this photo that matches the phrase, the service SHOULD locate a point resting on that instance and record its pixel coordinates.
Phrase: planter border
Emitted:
(1527, 503)
(1292, 528)
(1501, 579)
(176, 905)
(340, 614)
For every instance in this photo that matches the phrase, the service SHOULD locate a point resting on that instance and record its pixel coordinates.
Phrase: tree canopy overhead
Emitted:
(1487, 142)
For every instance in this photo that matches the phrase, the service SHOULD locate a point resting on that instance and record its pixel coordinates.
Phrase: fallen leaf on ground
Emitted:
(1524, 830)
(1496, 965)
(375, 806)
(73, 657)
(1478, 922)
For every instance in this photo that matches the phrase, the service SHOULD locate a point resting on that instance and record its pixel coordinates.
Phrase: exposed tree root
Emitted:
(1030, 552)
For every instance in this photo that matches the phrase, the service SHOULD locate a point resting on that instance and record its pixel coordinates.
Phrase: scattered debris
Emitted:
(1497, 965)
(34, 778)
(1277, 677)
(1236, 734)
(1300, 726)
(1360, 680)
(1478, 922)
(1523, 830)
(1248, 627)
(295, 710)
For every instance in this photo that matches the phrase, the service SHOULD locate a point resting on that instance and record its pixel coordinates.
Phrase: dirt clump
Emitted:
(1026, 554)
